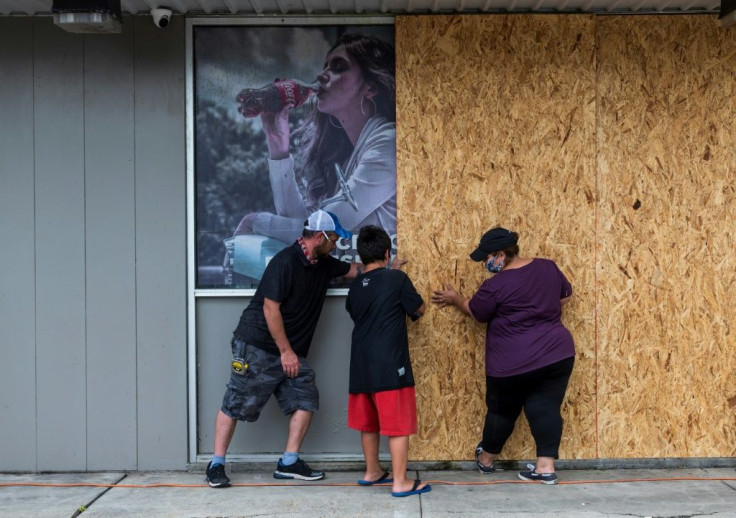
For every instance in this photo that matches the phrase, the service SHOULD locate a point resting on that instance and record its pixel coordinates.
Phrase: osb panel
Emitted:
(666, 172)
(495, 125)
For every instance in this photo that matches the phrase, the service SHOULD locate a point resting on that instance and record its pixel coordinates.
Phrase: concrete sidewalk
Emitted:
(596, 493)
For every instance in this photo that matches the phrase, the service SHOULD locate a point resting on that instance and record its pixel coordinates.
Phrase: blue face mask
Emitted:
(491, 265)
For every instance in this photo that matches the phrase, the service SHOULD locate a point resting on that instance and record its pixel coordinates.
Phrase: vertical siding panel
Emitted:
(60, 305)
(110, 216)
(17, 274)
(160, 185)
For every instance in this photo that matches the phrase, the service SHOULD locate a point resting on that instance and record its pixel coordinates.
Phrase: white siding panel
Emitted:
(110, 249)
(60, 270)
(17, 255)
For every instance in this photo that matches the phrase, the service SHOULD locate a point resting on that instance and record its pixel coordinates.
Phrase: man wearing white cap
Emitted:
(271, 343)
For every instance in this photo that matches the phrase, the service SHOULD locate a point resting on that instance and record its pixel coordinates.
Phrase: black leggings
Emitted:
(540, 393)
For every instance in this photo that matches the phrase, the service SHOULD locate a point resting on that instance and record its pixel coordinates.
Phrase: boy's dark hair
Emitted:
(373, 242)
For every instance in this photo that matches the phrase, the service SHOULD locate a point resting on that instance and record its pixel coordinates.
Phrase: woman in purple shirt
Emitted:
(529, 353)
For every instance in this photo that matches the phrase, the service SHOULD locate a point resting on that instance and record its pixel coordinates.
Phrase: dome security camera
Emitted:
(161, 17)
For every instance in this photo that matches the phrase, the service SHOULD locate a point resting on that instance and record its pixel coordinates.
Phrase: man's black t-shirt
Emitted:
(378, 302)
(301, 288)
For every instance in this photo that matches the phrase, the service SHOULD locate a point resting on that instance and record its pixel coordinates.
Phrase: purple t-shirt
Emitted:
(522, 308)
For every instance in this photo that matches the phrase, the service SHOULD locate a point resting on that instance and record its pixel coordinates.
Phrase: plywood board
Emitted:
(608, 144)
(495, 124)
(666, 172)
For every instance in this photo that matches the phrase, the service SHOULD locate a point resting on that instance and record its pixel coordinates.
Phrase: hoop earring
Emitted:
(375, 108)
(338, 125)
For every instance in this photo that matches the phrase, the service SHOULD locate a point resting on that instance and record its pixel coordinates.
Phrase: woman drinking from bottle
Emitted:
(352, 132)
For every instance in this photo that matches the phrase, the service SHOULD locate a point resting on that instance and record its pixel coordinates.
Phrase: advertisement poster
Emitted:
(288, 120)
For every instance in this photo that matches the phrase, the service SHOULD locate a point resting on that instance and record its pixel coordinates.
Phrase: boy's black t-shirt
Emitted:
(301, 288)
(379, 302)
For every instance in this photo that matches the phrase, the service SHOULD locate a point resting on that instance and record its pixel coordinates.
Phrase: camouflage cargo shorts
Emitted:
(249, 389)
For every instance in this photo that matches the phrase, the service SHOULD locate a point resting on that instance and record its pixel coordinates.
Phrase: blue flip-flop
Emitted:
(383, 479)
(414, 490)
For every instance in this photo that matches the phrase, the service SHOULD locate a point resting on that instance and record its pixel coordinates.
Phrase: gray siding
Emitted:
(92, 284)
(93, 334)
(160, 190)
(17, 253)
(330, 358)
(110, 247)
(58, 134)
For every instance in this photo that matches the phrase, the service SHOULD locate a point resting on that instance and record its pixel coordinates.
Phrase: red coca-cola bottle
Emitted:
(271, 98)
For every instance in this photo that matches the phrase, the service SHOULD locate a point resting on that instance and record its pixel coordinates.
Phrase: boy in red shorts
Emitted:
(382, 399)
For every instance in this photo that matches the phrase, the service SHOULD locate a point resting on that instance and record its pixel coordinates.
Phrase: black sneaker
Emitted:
(481, 467)
(533, 476)
(216, 475)
(299, 469)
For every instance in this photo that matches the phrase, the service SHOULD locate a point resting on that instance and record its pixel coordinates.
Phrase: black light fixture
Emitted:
(88, 16)
(727, 15)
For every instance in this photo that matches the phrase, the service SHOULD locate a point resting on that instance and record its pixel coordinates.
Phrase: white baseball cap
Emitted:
(322, 220)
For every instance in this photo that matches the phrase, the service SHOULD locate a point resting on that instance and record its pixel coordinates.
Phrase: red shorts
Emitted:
(390, 412)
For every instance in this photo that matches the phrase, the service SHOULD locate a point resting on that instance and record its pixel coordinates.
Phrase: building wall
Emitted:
(93, 278)
(607, 142)
(264, 440)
